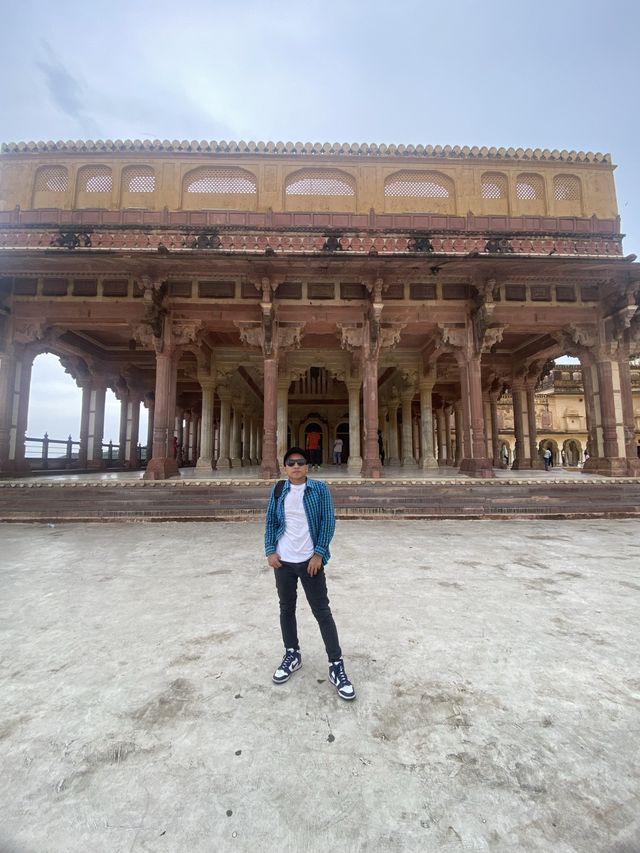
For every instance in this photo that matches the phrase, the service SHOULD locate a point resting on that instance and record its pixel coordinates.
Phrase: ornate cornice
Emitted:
(306, 149)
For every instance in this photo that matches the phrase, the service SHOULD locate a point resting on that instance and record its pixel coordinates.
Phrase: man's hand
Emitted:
(315, 564)
(274, 561)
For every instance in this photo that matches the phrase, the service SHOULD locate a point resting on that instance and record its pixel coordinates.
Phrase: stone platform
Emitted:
(240, 494)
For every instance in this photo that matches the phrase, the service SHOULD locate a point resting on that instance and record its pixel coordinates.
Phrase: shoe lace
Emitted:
(288, 659)
(340, 674)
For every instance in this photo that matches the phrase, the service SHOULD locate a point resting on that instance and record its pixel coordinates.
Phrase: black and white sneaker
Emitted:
(338, 678)
(291, 661)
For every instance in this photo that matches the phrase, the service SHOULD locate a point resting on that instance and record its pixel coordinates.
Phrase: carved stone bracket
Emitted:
(271, 338)
(390, 335)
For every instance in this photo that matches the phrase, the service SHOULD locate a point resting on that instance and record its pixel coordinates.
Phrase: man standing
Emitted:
(299, 527)
(314, 442)
(337, 451)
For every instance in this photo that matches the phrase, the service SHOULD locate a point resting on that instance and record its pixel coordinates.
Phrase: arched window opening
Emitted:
(567, 188)
(494, 186)
(529, 187)
(52, 179)
(95, 179)
(220, 181)
(418, 185)
(138, 179)
(320, 182)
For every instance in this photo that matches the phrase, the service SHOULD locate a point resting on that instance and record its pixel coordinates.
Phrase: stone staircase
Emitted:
(196, 500)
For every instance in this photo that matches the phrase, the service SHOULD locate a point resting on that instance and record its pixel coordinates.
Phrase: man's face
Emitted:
(296, 468)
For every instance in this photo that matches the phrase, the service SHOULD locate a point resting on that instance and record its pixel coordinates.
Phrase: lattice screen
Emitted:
(494, 185)
(418, 185)
(138, 179)
(52, 179)
(320, 182)
(95, 179)
(529, 187)
(235, 181)
(567, 188)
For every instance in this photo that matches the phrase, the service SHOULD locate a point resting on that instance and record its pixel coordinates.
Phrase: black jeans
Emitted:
(315, 588)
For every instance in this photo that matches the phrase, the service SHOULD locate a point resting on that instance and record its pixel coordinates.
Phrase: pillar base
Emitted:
(372, 470)
(410, 463)
(478, 468)
(223, 463)
(95, 465)
(429, 463)
(522, 465)
(354, 465)
(236, 462)
(160, 468)
(537, 464)
(11, 468)
(269, 470)
(616, 466)
(444, 463)
(204, 463)
(633, 467)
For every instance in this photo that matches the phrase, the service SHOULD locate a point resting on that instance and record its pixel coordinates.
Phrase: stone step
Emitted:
(175, 500)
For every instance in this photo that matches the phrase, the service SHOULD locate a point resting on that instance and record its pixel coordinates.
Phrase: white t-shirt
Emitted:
(295, 545)
(337, 445)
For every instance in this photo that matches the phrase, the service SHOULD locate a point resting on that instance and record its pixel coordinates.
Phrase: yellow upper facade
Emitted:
(339, 178)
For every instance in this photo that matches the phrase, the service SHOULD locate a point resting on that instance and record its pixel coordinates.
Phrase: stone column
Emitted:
(371, 462)
(488, 426)
(475, 461)
(633, 461)
(259, 435)
(520, 427)
(236, 461)
(206, 461)
(246, 439)
(608, 403)
(443, 441)
(283, 415)
(269, 467)
(92, 424)
(15, 381)
(162, 465)
(415, 435)
(133, 429)
(495, 429)
(536, 460)
(253, 441)
(149, 402)
(457, 419)
(354, 462)
(408, 460)
(123, 397)
(427, 459)
(186, 442)
(394, 453)
(589, 379)
(448, 409)
(224, 459)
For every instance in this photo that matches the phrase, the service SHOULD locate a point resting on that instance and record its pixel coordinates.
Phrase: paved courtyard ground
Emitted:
(497, 665)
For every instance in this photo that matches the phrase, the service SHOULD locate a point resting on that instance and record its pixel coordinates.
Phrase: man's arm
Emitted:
(271, 526)
(327, 523)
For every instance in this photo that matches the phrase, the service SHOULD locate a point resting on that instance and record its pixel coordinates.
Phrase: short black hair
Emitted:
(297, 451)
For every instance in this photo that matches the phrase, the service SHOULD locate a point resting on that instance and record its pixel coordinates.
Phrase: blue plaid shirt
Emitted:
(318, 505)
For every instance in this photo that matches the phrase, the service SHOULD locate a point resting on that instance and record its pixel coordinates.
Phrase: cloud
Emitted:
(65, 90)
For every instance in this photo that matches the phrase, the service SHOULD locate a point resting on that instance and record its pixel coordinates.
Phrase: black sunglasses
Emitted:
(291, 462)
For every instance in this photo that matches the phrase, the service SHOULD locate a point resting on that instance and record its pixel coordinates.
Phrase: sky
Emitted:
(559, 74)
